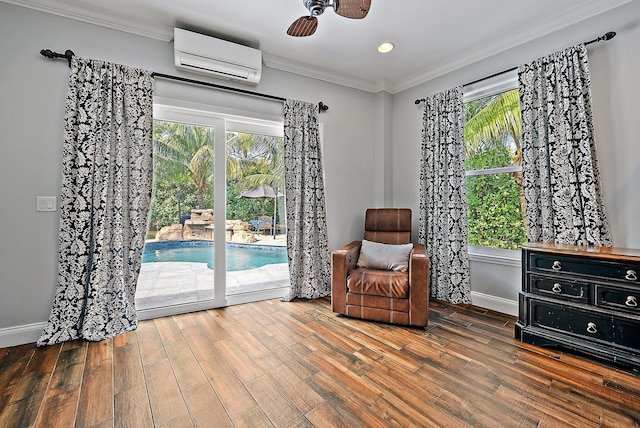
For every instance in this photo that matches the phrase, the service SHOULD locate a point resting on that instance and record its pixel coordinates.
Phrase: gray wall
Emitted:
(615, 89)
(33, 89)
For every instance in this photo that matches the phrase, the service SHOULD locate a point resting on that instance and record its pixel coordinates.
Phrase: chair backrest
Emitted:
(388, 225)
(265, 220)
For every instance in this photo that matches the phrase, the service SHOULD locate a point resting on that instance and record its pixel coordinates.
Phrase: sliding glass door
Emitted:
(212, 239)
(256, 227)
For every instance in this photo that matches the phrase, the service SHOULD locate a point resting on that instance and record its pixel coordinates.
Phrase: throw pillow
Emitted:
(374, 255)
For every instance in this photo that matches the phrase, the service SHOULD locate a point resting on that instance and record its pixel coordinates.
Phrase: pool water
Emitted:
(239, 257)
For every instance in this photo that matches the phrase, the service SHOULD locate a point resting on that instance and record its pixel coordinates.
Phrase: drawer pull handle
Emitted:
(631, 275)
(557, 266)
(631, 301)
(591, 328)
(557, 288)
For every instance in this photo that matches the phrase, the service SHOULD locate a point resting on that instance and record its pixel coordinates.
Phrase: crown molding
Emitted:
(98, 16)
(284, 64)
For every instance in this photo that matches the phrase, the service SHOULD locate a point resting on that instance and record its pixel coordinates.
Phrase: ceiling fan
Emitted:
(307, 25)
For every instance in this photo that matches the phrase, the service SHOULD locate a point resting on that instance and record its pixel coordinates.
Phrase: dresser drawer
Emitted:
(567, 319)
(621, 298)
(574, 291)
(628, 272)
(585, 324)
(626, 334)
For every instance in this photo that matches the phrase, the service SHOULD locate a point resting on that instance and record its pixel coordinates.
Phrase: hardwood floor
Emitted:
(297, 364)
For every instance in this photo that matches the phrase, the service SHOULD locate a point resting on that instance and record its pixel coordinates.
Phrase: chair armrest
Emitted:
(343, 261)
(418, 286)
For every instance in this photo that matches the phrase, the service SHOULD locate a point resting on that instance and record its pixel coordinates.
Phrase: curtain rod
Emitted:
(605, 37)
(68, 54)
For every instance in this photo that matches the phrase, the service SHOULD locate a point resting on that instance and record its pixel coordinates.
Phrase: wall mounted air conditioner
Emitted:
(209, 56)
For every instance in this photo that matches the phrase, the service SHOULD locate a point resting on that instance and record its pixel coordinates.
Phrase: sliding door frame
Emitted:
(221, 120)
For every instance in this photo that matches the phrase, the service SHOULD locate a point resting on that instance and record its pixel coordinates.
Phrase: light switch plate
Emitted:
(45, 203)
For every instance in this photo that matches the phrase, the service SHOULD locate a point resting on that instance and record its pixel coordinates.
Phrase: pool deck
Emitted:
(172, 283)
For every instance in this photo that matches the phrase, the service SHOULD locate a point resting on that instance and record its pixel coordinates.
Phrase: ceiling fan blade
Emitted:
(303, 26)
(355, 9)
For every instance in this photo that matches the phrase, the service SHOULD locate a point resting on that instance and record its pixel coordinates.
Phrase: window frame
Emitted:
(484, 88)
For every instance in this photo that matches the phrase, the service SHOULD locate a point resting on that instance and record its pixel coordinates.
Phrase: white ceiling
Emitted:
(431, 37)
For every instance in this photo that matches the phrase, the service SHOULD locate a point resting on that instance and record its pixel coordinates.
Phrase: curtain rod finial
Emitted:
(47, 53)
(68, 54)
(322, 107)
(604, 38)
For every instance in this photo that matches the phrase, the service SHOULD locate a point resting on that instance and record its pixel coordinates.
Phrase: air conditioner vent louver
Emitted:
(209, 56)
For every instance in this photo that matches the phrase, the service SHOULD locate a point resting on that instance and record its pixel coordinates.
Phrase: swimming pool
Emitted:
(239, 257)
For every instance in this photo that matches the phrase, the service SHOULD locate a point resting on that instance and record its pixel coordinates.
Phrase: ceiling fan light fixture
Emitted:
(385, 47)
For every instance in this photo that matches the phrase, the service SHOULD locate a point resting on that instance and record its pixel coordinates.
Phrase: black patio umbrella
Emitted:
(264, 191)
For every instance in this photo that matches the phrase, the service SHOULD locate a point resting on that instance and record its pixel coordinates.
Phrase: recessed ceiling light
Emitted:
(385, 47)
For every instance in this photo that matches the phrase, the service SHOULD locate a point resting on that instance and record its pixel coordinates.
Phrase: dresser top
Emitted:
(611, 253)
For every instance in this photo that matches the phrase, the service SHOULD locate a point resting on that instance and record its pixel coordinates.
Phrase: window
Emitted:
(495, 201)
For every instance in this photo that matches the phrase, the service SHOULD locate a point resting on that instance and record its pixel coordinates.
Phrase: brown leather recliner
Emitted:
(382, 295)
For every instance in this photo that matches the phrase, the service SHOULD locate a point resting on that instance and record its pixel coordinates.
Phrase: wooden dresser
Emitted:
(585, 299)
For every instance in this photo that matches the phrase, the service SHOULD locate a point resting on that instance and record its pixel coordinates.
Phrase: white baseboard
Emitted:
(19, 335)
(498, 304)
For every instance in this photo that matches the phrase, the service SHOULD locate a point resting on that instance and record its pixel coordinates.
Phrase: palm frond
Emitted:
(492, 121)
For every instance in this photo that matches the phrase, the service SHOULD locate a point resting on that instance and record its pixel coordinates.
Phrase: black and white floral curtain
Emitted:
(443, 197)
(106, 192)
(561, 179)
(307, 244)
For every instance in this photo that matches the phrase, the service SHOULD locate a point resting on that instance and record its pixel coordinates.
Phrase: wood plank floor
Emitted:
(297, 364)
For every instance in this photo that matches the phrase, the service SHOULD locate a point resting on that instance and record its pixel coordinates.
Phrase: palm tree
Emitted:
(186, 149)
(256, 160)
(493, 118)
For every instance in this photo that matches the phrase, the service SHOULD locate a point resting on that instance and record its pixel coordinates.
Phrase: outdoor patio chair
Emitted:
(265, 223)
